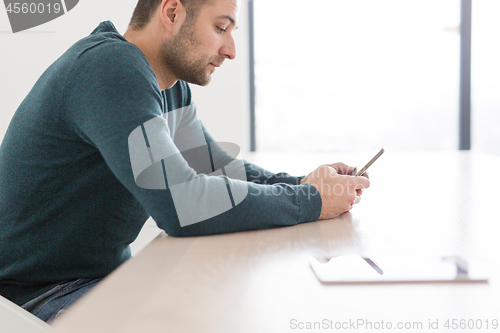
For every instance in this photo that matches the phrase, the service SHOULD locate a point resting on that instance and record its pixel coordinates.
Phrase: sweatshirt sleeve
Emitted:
(259, 175)
(116, 107)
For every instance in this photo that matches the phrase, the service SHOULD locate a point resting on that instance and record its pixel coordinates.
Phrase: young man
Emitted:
(109, 136)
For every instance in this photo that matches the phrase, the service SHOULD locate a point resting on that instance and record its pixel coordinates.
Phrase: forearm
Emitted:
(258, 175)
(254, 173)
(264, 207)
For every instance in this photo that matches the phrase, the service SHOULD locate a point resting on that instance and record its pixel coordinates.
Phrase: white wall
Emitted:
(24, 56)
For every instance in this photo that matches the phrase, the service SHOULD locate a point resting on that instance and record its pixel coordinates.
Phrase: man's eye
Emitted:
(221, 30)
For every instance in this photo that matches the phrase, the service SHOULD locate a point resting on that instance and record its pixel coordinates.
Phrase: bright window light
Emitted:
(335, 75)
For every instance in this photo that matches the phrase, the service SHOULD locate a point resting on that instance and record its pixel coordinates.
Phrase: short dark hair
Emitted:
(145, 9)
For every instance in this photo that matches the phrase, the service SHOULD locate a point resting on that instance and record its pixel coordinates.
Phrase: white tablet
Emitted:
(397, 269)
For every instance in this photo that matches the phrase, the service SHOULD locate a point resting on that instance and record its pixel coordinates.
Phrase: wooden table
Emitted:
(438, 203)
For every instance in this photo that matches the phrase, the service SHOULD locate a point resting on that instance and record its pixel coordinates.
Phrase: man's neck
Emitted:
(149, 43)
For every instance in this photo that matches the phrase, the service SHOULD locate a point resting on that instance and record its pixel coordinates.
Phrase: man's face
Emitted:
(203, 44)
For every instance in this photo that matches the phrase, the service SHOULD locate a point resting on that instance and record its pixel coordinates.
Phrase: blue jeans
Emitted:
(52, 303)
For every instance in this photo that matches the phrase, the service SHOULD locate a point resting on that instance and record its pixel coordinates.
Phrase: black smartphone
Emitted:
(361, 168)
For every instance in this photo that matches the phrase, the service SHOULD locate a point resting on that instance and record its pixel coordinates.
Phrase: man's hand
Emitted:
(339, 191)
(342, 169)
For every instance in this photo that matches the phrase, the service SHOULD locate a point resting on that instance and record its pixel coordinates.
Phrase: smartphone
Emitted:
(361, 168)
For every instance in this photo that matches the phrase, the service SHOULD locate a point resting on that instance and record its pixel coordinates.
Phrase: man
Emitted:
(109, 136)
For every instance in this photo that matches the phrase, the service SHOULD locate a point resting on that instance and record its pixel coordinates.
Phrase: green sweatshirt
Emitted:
(70, 203)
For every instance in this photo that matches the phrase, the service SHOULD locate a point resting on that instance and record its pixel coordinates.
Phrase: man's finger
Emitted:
(342, 168)
(361, 182)
(357, 199)
(345, 169)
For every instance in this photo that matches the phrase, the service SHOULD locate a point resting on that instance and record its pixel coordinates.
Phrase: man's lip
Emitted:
(215, 65)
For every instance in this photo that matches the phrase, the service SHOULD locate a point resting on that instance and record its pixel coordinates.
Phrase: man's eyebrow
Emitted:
(230, 18)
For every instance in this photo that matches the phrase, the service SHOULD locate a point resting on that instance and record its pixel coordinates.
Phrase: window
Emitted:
(485, 76)
(353, 75)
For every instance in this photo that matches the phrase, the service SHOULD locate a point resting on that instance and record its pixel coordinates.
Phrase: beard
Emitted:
(178, 56)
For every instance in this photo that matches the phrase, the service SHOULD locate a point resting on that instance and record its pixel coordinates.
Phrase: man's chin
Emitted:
(200, 82)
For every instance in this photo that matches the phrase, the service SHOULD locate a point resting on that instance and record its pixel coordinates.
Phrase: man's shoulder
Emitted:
(106, 51)
(106, 39)
(108, 61)
(109, 50)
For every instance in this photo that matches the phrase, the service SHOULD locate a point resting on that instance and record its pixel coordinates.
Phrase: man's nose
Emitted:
(228, 50)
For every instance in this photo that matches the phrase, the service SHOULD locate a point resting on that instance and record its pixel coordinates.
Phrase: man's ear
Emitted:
(172, 15)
